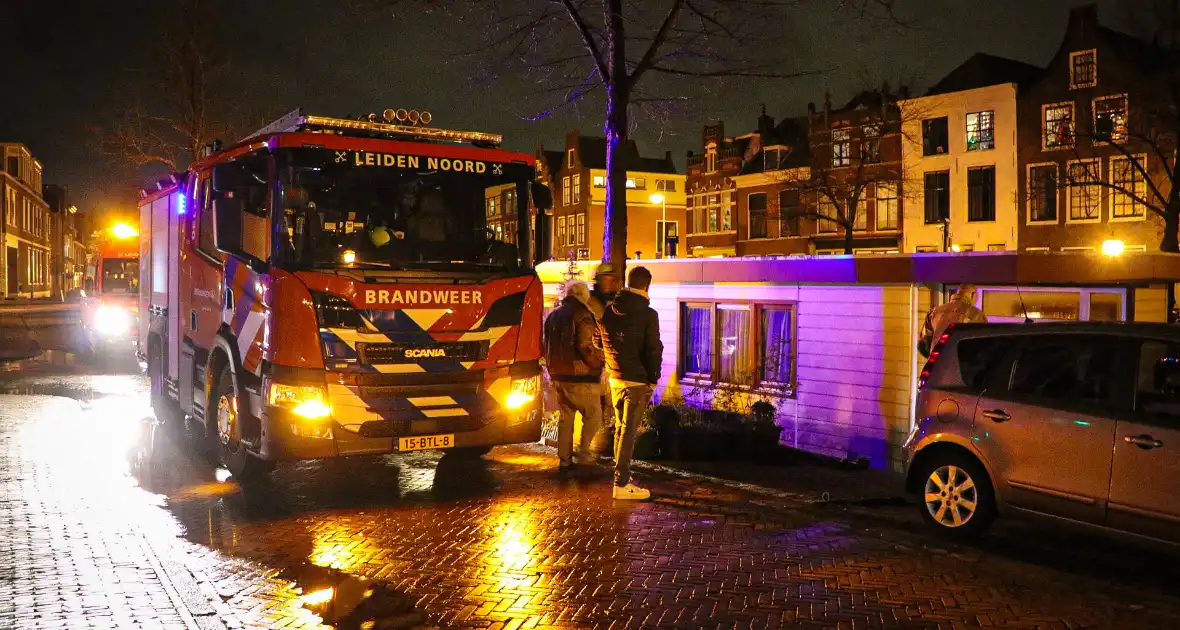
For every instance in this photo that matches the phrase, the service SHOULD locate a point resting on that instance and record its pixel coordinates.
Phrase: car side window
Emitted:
(981, 359)
(1157, 387)
(1065, 370)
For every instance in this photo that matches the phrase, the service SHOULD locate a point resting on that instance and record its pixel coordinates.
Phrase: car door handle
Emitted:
(997, 415)
(1145, 442)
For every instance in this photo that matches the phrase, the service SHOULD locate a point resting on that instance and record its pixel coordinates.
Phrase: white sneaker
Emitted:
(631, 492)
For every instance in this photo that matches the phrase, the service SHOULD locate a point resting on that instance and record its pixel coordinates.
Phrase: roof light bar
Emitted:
(299, 121)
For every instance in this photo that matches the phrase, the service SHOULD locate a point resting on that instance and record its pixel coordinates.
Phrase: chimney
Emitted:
(1083, 19)
(765, 123)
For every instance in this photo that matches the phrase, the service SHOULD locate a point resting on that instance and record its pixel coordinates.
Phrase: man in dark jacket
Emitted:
(634, 354)
(573, 356)
(606, 287)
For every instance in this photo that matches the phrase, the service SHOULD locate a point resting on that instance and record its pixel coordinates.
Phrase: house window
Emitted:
(738, 344)
(773, 159)
(997, 247)
(887, 215)
(599, 181)
(666, 185)
(756, 204)
(577, 185)
(561, 231)
(980, 131)
(1058, 125)
(727, 211)
(828, 216)
(1042, 189)
(937, 197)
(935, 136)
(1129, 187)
(861, 220)
(491, 212)
(696, 347)
(981, 193)
(870, 144)
(14, 167)
(640, 183)
(565, 190)
(569, 158)
(841, 147)
(664, 231)
(1083, 69)
(581, 229)
(714, 213)
(788, 213)
(1085, 196)
(710, 159)
(1110, 119)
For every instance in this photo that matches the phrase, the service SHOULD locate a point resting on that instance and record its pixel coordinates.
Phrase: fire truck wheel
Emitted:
(241, 463)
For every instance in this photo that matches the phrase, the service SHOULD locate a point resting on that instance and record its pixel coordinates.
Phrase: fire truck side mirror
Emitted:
(544, 245)
(542, 197)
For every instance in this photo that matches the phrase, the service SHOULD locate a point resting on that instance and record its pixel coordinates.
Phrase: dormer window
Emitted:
(570, 158)
(774, 158)
(711, 158)
(1083, 69)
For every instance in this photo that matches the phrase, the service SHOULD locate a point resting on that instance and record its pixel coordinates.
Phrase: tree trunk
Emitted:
(848, 239)
(618, 97)
(1170, 242)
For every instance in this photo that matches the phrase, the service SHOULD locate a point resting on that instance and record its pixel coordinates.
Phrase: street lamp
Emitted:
(660, 199)
(1113, 248)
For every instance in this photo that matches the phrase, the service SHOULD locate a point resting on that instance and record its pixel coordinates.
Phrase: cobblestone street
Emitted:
(92, 536)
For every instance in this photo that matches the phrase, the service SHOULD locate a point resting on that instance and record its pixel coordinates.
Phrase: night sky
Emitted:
(66, 62)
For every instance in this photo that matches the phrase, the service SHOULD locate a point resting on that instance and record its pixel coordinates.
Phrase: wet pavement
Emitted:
(96, 530)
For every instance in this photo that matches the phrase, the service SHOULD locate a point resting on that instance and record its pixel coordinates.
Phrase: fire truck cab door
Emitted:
(201, 296)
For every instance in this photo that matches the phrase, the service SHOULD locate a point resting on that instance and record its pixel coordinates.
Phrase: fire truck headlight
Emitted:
(112, 320)
(306, 401)
(524, 391)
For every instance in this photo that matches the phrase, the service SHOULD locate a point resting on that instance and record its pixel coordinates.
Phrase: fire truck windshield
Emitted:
(359, 208)
(120, 275)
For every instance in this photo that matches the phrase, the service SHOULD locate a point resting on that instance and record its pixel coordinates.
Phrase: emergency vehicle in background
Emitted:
(110, 309)
(330, 287)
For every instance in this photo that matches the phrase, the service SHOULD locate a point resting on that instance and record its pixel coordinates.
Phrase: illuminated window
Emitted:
(710, 159)
(887, 211)
(599, 181)
(1042, 193)
(1110, 119)
(1085, 194)
(870, 144)
(841, 147)
(561, 231)
(630, 183)
(569, 158)
(738, 343)
(1058, 125)
(577, 185)
(491, 211)
(1083, 69)
(980, 132)
(581, 229)
(1128, 187)
(727, 211)
(565, 190)
(827, 210)
(667, 185)
(714, 209)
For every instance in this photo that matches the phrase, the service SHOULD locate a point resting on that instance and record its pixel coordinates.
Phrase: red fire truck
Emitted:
(329, 287)
(110, 308)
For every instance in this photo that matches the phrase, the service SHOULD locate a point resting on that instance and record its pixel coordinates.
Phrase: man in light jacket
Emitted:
(634, 354)
(574, 358)
(960, 309)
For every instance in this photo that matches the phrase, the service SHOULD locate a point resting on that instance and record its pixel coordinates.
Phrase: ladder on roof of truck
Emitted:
(299, 120)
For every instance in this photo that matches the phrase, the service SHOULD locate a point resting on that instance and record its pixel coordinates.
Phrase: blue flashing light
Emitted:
(180, 202)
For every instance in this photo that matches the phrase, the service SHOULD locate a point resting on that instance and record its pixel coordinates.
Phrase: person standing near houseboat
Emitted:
(960, 309)
(634, 354)
(574, 357)
(606, 287)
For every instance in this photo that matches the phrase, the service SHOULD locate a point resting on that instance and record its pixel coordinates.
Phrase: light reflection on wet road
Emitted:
(92, 529)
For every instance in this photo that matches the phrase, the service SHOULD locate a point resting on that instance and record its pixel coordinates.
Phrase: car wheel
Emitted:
(467, 452)
(957, 497)
(227, 424)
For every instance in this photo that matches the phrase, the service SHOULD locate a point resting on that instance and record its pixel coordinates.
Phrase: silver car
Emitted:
(1072, 420)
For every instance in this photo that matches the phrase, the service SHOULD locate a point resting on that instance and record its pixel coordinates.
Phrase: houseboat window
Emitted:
(778, 346)
(1106, 307)
(1017, 305)
(734, 353)
(697, 344)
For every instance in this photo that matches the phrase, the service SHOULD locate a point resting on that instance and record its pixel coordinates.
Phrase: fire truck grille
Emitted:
(399, 428)
(386, 353)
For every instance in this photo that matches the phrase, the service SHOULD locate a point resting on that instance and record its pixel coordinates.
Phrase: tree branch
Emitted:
(587, 37)
(658, 41)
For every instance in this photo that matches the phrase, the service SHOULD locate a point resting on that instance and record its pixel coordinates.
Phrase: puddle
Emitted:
(47, 358)
(348, 602)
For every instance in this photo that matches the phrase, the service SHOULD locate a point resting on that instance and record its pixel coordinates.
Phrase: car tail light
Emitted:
(934, 353)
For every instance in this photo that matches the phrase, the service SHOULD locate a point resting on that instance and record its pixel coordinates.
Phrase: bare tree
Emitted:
(642, 54)
(180, 105)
